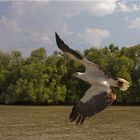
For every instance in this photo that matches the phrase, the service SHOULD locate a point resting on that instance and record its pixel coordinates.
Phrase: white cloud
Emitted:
(44, 38)
(135, 23)
(125, 7)
(126, 18)
(102, 8)
(9, 34)
(5, 23)
(32, 24)
(94, 8)
(94, 36)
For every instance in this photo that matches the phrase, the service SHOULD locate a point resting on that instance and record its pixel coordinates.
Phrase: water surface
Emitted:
(51, 123)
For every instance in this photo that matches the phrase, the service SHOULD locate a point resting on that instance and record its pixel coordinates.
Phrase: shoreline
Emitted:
(68, 104)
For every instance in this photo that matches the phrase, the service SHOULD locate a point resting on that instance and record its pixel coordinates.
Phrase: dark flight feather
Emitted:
(62, 46)
(96, 104)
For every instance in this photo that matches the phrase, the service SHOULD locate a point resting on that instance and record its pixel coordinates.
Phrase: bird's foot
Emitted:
(111, 96)
(108, 96)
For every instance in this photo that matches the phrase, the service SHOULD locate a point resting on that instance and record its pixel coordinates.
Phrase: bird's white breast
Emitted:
(107, 86)
(105, 83)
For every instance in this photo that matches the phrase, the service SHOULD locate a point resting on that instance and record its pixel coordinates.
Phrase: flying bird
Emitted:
(100, 95)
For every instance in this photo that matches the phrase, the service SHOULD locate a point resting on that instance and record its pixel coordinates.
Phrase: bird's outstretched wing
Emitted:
(65, 48)
(90, 104)
(92, 70)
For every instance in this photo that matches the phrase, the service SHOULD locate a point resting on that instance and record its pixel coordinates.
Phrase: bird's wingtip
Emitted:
(56, 35)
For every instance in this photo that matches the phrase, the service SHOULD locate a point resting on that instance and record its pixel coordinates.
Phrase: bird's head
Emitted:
(77, 74)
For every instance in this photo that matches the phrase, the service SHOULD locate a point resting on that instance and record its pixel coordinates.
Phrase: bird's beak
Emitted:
(74, 75)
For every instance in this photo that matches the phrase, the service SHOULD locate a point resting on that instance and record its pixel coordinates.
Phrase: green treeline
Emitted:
(43, 79)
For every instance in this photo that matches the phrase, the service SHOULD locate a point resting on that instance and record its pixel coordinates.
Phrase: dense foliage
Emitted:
(42, 79)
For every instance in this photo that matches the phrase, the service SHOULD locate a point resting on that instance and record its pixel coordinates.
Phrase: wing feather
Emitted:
(65, 48)
(87, 108)
(90, 66)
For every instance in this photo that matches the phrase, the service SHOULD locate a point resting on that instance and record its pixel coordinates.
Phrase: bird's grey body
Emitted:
(95, 98)
(97, 78)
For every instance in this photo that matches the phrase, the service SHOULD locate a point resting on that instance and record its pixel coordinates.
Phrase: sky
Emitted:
(30, 24)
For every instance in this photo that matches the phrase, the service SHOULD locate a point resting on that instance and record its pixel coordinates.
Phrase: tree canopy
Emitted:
(43, 79)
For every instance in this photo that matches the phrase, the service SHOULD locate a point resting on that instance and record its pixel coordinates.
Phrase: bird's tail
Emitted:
(123, 84)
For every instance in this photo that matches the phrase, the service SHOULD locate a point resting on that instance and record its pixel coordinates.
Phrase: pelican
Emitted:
(100, 95)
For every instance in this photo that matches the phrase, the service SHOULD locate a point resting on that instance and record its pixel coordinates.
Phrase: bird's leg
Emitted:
(108, 96)
(111, 96)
